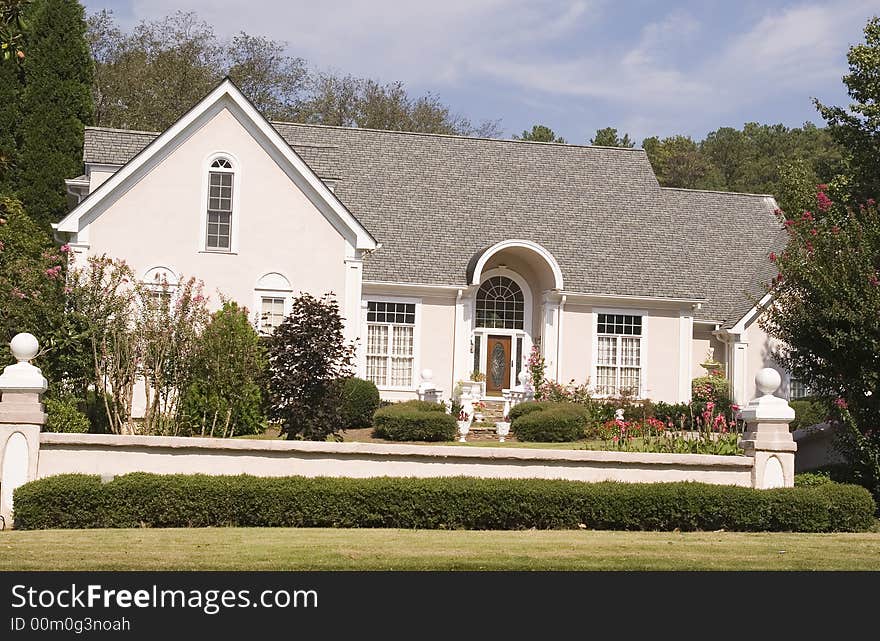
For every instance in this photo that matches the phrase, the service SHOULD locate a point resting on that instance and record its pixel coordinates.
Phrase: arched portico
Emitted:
(510, 305)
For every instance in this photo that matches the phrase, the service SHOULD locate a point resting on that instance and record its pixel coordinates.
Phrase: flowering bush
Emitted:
(536, 366)
(825, 310)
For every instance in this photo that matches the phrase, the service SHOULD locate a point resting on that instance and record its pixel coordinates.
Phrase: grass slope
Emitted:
(336, 549)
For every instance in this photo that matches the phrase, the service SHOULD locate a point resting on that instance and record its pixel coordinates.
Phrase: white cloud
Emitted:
(674, 70)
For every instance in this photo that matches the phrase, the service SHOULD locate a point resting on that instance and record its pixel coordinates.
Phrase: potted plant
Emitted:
(478, 383)
(479, 406)
(502, 428)
(464, 425)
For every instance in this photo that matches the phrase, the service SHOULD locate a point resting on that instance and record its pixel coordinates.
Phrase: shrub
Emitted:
(808, 412)
(308, 356)
(812, 479)
(551, 422)
(360, 399)
(64, 416)
(521, 409)
(414, 421)
(149, 500)
(224, 397)
(677, 413)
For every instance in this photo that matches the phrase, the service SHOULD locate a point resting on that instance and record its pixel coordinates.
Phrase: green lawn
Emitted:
(331, 549)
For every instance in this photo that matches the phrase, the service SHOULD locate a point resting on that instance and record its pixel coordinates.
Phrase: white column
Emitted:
(739, 362)
(550, 335)
(21, 418)
(767, 437)
(354, 271)
(685, 356)
(464, 357)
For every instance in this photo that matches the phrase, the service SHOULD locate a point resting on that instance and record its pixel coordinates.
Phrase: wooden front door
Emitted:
(497, 364)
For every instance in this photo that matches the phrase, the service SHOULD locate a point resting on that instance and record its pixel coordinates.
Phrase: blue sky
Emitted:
(645, 67)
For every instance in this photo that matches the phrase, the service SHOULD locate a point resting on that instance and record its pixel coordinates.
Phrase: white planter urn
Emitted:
(502, 428)
(463, 428)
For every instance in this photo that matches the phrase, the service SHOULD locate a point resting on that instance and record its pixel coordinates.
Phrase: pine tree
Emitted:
(56, 104)
(10, 95)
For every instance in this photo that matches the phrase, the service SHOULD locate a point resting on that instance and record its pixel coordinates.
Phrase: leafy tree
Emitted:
(540, 133)
(11, 84)
(857, 128)
(608, 137)
(308, 357)
(148, 78)
(224, 397)
(678, 162)
(56, 104)
(825, 311)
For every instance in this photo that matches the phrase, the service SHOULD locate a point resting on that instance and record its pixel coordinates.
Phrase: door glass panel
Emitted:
(498, 360)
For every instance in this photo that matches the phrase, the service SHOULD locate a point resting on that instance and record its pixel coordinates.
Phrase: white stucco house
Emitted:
(445, 252)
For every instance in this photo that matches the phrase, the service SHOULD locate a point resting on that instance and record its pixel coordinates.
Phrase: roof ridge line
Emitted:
(460, 136)
(718, 191)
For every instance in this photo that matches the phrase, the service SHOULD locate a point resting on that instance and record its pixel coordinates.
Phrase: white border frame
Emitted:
(417, 340)
(543, 252)
(643, 354)
(236, 172)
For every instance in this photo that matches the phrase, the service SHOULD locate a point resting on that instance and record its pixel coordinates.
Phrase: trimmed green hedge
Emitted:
(150, 500)
(550, 422)
(360, 399)
(414, 421)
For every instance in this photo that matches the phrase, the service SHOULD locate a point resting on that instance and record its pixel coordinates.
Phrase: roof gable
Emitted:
(225, 96)
(435, 201)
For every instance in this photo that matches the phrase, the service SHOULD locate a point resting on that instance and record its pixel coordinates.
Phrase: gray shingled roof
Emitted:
(434, 201)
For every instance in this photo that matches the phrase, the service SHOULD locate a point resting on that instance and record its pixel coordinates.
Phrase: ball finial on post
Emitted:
(767, 381)
(24, 347)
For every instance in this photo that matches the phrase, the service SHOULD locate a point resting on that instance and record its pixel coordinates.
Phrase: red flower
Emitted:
(835, 230)
(790, 222)
(871, 202)
(814, 231)
(809, 247)
(822, 187)
(807, 216)
(841, 403)
(824, 201)
(772, 257)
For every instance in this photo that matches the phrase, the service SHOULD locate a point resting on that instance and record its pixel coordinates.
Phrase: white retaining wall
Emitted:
(113, 455)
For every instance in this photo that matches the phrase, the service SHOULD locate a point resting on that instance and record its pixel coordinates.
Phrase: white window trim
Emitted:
(643, 348)
(236, 172)
(362, 366)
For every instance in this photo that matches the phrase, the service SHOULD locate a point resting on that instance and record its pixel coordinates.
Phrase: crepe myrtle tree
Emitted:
(826, 314)
(308, 360)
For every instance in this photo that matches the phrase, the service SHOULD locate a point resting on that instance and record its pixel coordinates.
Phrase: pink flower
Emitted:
(17, 293)
(874, 280)
(824, 201)
(790, 222)
(822, 187)
(814, 231)
(807, 216)
(64, 248)
(871, 202)
(67, 290)
(841, 403)
(710, 406)
(772, 257)
(734, 408)
(53, 272)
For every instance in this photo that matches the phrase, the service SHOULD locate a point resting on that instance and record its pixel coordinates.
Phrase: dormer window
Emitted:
(219, 231)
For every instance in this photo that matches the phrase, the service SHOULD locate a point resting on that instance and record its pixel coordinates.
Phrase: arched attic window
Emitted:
(161, 283)
(500, 304)
(218, 236)
(272, 300)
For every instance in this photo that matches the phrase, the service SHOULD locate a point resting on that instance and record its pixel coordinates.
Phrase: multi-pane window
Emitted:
(500, 304)
(798, 390)
(271, 313)
(219, 232)
(619, 355)
(390, 343)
